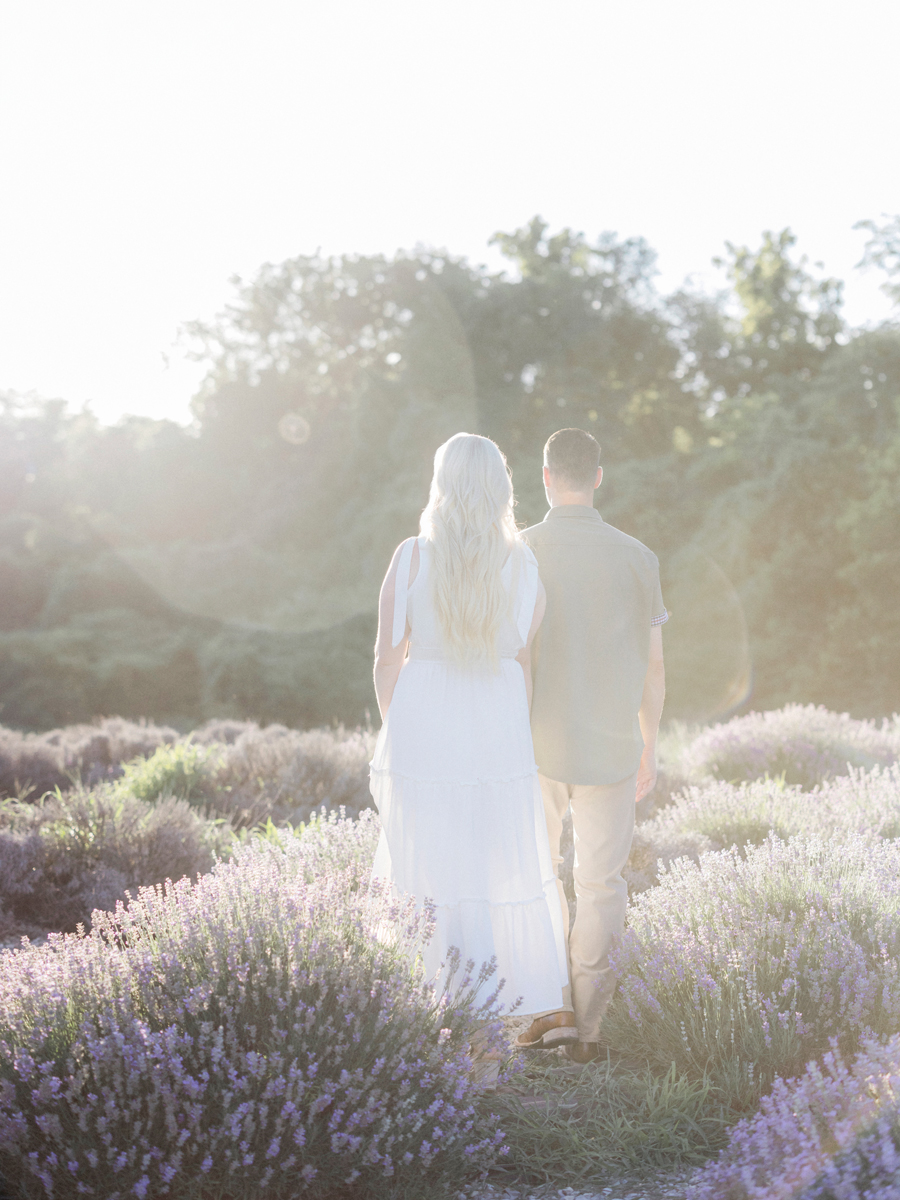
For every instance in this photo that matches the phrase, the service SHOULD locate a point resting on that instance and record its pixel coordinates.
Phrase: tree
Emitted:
(579, 337)
(787, 325)
(749, 438)
(883, 251)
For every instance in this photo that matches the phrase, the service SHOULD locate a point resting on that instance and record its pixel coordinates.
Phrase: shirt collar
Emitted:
(572, 510)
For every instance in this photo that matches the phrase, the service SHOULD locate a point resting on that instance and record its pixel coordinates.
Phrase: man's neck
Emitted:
(558, 499)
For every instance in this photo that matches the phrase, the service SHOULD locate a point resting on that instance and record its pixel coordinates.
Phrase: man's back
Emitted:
(591, 652)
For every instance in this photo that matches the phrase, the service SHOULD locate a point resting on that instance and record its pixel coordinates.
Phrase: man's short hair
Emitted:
(572, 457)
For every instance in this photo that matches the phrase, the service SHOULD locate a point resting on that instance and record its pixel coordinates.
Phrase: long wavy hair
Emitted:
(469, 522)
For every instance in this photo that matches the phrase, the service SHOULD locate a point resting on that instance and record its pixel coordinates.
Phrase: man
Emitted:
(599, 685)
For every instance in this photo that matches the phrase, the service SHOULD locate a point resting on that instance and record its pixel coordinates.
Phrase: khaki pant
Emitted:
(603, 825)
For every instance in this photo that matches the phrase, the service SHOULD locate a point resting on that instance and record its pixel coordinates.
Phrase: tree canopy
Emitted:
(750, 438)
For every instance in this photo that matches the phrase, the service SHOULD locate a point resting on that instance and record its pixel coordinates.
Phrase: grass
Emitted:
(591, 1125)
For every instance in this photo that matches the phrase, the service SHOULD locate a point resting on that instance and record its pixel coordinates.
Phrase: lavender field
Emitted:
(259, 1032)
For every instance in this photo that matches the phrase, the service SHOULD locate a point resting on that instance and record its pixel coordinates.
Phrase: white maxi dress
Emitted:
(456, 787)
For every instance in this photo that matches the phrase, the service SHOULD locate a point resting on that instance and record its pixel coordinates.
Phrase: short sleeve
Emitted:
(526, 596)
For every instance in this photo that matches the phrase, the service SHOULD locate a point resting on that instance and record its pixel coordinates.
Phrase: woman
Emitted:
(453, 775)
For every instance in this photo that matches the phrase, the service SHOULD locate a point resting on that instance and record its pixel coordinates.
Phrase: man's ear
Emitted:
(599, 478)
(546, 476)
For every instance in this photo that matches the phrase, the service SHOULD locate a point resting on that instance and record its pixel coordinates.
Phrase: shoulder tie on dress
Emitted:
(401, 591)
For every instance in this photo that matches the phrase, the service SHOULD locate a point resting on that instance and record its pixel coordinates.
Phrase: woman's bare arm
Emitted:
(524, 655)
(389, 659)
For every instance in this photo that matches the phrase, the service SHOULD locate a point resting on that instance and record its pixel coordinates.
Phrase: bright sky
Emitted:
(149, 151)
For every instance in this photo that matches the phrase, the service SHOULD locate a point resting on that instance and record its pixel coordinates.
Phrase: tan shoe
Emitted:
(582, 1052)
(546, 1033)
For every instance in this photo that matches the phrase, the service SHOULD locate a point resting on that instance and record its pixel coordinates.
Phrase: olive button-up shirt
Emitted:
(591, 652)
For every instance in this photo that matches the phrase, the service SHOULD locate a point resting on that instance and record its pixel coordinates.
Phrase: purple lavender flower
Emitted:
(804, 744)
(830, 1134)
(268, 1021)
(740, 968)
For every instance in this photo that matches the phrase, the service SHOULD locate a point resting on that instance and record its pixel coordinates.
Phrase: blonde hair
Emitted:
(469, 522)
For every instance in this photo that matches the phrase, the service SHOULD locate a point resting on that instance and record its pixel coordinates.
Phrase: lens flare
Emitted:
(294, 429)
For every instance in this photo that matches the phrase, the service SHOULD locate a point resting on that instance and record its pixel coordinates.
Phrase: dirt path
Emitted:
(665, 1187)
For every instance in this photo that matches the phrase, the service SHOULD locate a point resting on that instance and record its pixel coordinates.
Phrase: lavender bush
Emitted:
(287, 775)
(831, 1134)
(653, 849)
(77, 851)
(81, 847)
(254, 775)
(743, 969)
(804, 744)
(245, 772)
(34, 763)
(334, 843)
(252, 1034)
(719, 815)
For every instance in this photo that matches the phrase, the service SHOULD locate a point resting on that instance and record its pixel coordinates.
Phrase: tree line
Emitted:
(231, 567)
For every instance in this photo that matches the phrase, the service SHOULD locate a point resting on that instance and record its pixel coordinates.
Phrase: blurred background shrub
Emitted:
(804, 744)
(283, 775)
(73, 852)
(93, 810)
(31, 764)
(171, 770)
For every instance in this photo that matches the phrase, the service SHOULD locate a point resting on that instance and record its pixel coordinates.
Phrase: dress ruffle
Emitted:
(478, 850)
(457, 843)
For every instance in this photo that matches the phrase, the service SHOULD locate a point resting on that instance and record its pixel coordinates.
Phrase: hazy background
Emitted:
(151, 151)
(499, 217)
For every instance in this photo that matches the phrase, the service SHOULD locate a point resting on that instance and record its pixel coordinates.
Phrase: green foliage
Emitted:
(111, 660)
(883, 251)
(232, 569)
(579, 339)
(182, 671)
(790, 320)
(170, 771)
(588, 1125)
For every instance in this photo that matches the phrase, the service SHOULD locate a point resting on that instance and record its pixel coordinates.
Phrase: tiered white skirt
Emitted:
(455, 784)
